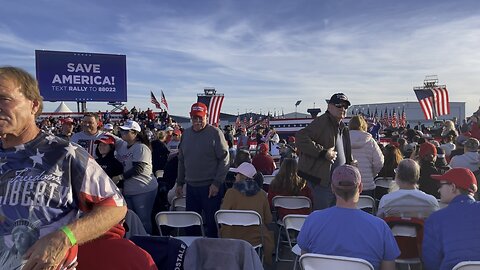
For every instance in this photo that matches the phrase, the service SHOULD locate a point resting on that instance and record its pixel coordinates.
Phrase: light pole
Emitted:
(296, 105)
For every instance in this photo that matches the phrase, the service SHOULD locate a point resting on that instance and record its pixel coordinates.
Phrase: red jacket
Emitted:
(264, 163)
(112, 251)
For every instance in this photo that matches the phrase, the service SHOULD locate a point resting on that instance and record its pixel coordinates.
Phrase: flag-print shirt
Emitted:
(45, 183)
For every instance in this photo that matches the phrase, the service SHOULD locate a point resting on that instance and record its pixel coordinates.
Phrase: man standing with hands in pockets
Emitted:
(324, 145)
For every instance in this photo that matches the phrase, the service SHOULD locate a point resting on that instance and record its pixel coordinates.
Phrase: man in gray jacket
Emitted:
(324, 145)
(203, 163)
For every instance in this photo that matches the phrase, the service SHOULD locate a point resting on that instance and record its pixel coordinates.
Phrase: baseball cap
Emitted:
(426, 149)
(471, 145)
(461, 177)
(131, 125)
(67, 120)
(346, 177)
(108, 126)
(198, 109)
(177, 132)
(263, 148)
(246, 169)
(339, 98)
(169, 129)
(106, 139)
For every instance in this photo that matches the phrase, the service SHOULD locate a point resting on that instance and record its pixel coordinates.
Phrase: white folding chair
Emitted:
(180, 219)
(384, 182)
(287, 202)
(366, 202)
(178, 204)
(467, 265)
(310, 261)
(241, 218)
(267, 179)
(295, 223)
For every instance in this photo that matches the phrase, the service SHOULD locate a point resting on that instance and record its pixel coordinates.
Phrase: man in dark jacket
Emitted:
(427, 156)
(324, 145)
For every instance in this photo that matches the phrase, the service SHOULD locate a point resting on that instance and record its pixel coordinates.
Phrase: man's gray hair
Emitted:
(408, 171)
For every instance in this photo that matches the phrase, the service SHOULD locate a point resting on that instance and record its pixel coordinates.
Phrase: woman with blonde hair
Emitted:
(288, 183)
(367, 153)
(449, 129)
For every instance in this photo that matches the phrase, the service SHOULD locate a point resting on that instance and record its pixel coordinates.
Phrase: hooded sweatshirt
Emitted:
(470, 160)
(369, 156)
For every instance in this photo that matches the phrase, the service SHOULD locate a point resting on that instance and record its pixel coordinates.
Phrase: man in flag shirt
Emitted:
(45, 182)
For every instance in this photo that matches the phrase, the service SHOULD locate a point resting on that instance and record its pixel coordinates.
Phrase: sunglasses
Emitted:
(345, 106)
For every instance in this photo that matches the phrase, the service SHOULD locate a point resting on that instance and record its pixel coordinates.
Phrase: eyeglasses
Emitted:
(345, 106)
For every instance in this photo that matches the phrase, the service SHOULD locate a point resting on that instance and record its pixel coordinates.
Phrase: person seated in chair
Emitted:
(451, 234)
(247, 195)
(408, 201)
(344, 230)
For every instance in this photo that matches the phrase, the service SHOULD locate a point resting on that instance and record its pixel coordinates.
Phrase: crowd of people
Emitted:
(78, 176)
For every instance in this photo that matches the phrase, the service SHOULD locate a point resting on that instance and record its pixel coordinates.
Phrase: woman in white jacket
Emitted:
(366, 151)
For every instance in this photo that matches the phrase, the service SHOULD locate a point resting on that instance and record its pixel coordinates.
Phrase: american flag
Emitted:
(394, 119)
(164, 100)
(237, 122)
(434, 100)
(214, 105)
(385, 118)
(403, 118)
(154, 100)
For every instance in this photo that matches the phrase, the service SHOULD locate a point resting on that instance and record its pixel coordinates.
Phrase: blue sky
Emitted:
(263, 55)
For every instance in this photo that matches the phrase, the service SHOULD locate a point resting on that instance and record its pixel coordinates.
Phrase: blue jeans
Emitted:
(323, 197)
(197, 200)
(142, 205)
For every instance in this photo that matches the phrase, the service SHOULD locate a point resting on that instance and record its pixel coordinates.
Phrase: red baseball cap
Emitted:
(198, 109)
(67, 120)
(177, 132)
(461, 177)
(263, 148)
(427, 148)
(106, 139)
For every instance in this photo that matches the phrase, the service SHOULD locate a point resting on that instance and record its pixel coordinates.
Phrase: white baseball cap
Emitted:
(108, 126)
(131, 125)
(246, 169)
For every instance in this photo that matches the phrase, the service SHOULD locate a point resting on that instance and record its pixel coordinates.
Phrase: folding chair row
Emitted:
(287, 202)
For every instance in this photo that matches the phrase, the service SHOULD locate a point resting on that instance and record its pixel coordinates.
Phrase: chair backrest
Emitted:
(409, 206)
(467, 265)
(384, 181)
(179, 204)
(267, 179)
(179, 219)
(366, 202)
(294, 222)
(310, 261)
(291, 202)
(215, 253)
(408, 232)
(238, 217)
